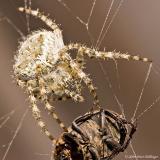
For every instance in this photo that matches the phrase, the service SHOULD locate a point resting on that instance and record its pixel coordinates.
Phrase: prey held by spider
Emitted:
(100, 135)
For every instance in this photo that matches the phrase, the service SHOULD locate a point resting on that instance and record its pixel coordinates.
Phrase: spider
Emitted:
(100, 135)
(44, 67)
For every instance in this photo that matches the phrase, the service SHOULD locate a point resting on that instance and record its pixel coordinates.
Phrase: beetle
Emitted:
(98, 135)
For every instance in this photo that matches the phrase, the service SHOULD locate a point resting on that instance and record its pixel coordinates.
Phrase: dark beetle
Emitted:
(95, 136)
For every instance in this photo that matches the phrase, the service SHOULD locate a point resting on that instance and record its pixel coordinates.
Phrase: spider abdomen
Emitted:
(39, 48)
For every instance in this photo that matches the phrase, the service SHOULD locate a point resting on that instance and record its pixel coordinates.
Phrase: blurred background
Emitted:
(135, 29)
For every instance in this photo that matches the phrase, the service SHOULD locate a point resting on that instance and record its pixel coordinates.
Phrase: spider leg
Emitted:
(69, 94)
(74, 67)
(74, 95)
(37, 114)
(62, 98)
(41, 16)
(80, 59)
(48, 106)
(93, 53)
(90, 86)
(51, 110)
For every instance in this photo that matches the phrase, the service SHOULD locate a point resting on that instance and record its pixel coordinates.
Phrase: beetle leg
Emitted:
(93, 153)
(111, 143)
(80, 120)
(78, 129)
(129, 137)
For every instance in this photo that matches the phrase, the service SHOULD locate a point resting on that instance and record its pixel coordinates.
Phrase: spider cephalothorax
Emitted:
(44, 67)
(95, 136)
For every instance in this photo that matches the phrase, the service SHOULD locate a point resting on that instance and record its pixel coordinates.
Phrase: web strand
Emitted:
(111, 88)
(107, 29)
(104, 24)
(70, 11)
(123, 114)
(86, 24)
(102, 68)
(148, 108)
(27, 5)
(13, 25)
(91, 12)
(142, 91)
(15, 134)
(133, 150)
(7, 115)
(6, 119)
(4, 122)
(15, 7)
(156, 69)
